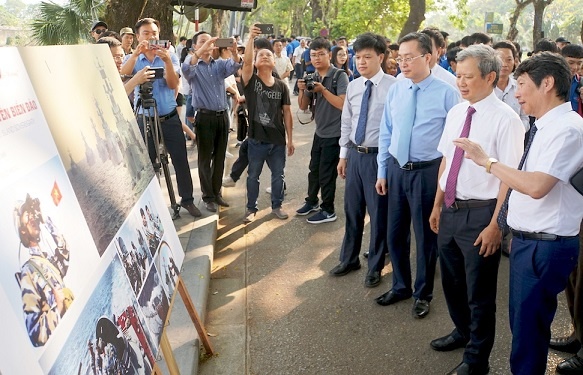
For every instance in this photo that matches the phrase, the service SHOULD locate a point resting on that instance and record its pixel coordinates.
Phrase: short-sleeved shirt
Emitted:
(265, 108)
(557, 150)
(165, 97)
(327, 116)
(498, 129)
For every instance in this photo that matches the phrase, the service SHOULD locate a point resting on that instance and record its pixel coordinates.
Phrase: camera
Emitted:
(309, 79)
(146, 89)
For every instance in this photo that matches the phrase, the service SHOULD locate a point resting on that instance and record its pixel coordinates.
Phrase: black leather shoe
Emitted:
(211, 206)
(344, 269)
(448, 343)
(571, 366)
(567, 344)
(192, 209)
(372, 279)
(467, 369)
(420, 308)
(221, 202)
(390, 297)
(365, 254)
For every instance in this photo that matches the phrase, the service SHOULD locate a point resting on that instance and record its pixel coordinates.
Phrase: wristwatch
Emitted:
(489, 164)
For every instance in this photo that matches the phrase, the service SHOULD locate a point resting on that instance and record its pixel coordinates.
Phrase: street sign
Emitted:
(494, 28)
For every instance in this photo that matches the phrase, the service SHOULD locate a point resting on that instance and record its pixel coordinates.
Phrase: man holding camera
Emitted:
(206, 77)
(326, 90)
(149, 53)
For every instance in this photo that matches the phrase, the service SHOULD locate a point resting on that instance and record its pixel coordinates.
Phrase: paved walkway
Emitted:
(271, 307)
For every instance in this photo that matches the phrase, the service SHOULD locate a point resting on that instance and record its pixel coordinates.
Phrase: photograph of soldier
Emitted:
(133, 263)
(44, 255)
(110, 336)
(153, 236)
(167, 268)
(154, 303)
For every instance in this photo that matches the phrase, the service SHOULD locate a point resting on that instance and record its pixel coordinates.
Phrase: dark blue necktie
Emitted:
(361, 127)
(503, 214)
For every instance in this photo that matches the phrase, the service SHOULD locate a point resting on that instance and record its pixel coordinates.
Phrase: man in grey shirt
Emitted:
(326, 94)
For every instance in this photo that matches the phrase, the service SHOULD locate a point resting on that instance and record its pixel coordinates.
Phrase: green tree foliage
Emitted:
(385, 17)
(63, 24)
(7, 18)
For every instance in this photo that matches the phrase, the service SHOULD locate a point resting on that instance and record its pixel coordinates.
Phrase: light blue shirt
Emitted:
(434, 99)
(165, 97)
(208, 82)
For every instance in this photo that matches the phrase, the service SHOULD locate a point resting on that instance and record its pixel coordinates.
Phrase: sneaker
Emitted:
(322, 217)
(228, 182)
(249, 216)
(279, 213)
(307, 208)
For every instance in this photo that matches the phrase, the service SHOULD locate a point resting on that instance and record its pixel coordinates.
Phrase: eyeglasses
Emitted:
(99, 31)
(407, 59)
(318, 55)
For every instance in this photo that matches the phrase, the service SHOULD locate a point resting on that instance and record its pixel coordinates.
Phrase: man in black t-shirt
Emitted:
(270, 125)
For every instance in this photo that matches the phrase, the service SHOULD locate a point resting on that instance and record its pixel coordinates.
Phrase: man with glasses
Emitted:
(97, 29)
(408, 164)
(327, 93)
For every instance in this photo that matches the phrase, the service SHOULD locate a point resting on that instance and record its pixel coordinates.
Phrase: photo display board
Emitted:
(90, 257)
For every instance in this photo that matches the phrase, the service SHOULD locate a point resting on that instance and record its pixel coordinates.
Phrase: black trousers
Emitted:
(212, 133)
(176, 146)
(360, 196)
(574, 294)
(242, 161)
(324, 159)
(469, 279)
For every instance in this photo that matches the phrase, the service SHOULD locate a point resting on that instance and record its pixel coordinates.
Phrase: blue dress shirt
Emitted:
(165, 97)
(208, 82)
(434, 99)
(573, 94)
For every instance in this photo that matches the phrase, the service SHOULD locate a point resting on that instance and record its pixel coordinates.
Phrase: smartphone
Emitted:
(158, 72)
(159, 43)
(266, 28)
(224, 42)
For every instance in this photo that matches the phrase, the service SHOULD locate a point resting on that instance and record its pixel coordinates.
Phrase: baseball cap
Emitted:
(98, 23)
(341, 37)
(562, 39)
(126, 30)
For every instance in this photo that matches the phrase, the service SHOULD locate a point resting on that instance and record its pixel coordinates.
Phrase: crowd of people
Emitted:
(437, 135)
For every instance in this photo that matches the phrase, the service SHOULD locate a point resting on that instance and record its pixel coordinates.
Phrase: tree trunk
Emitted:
(416, 16)
(316, 17)
(217, 22)
(539, 10)
(581, 31)
(513, 31)
(125, 13)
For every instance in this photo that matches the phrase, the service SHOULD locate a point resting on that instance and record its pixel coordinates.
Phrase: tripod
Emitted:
(152, 129)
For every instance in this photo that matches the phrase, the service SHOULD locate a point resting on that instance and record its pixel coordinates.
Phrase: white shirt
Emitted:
(497, 128)
(351, 110)
(507, 96)
(298, 54)
(557, 150)
(282, 65)
(444, 75)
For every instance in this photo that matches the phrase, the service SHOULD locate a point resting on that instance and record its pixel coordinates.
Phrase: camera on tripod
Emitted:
(309, 79)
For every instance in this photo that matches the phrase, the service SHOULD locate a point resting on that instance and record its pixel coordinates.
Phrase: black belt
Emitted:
(366, 150)
(209, 112)
(417, 165)
(166, 117)
(539, 236)
(472, 203)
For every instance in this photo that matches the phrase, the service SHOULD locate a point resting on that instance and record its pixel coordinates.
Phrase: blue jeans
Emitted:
(260, 152)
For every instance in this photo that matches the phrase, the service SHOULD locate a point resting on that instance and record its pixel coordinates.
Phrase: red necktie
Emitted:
(454, 171)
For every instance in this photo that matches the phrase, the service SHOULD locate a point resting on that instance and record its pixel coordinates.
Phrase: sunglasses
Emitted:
(99, 31)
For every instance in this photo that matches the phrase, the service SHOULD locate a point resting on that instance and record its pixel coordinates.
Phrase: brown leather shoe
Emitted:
(192, 209)
(221, 202)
